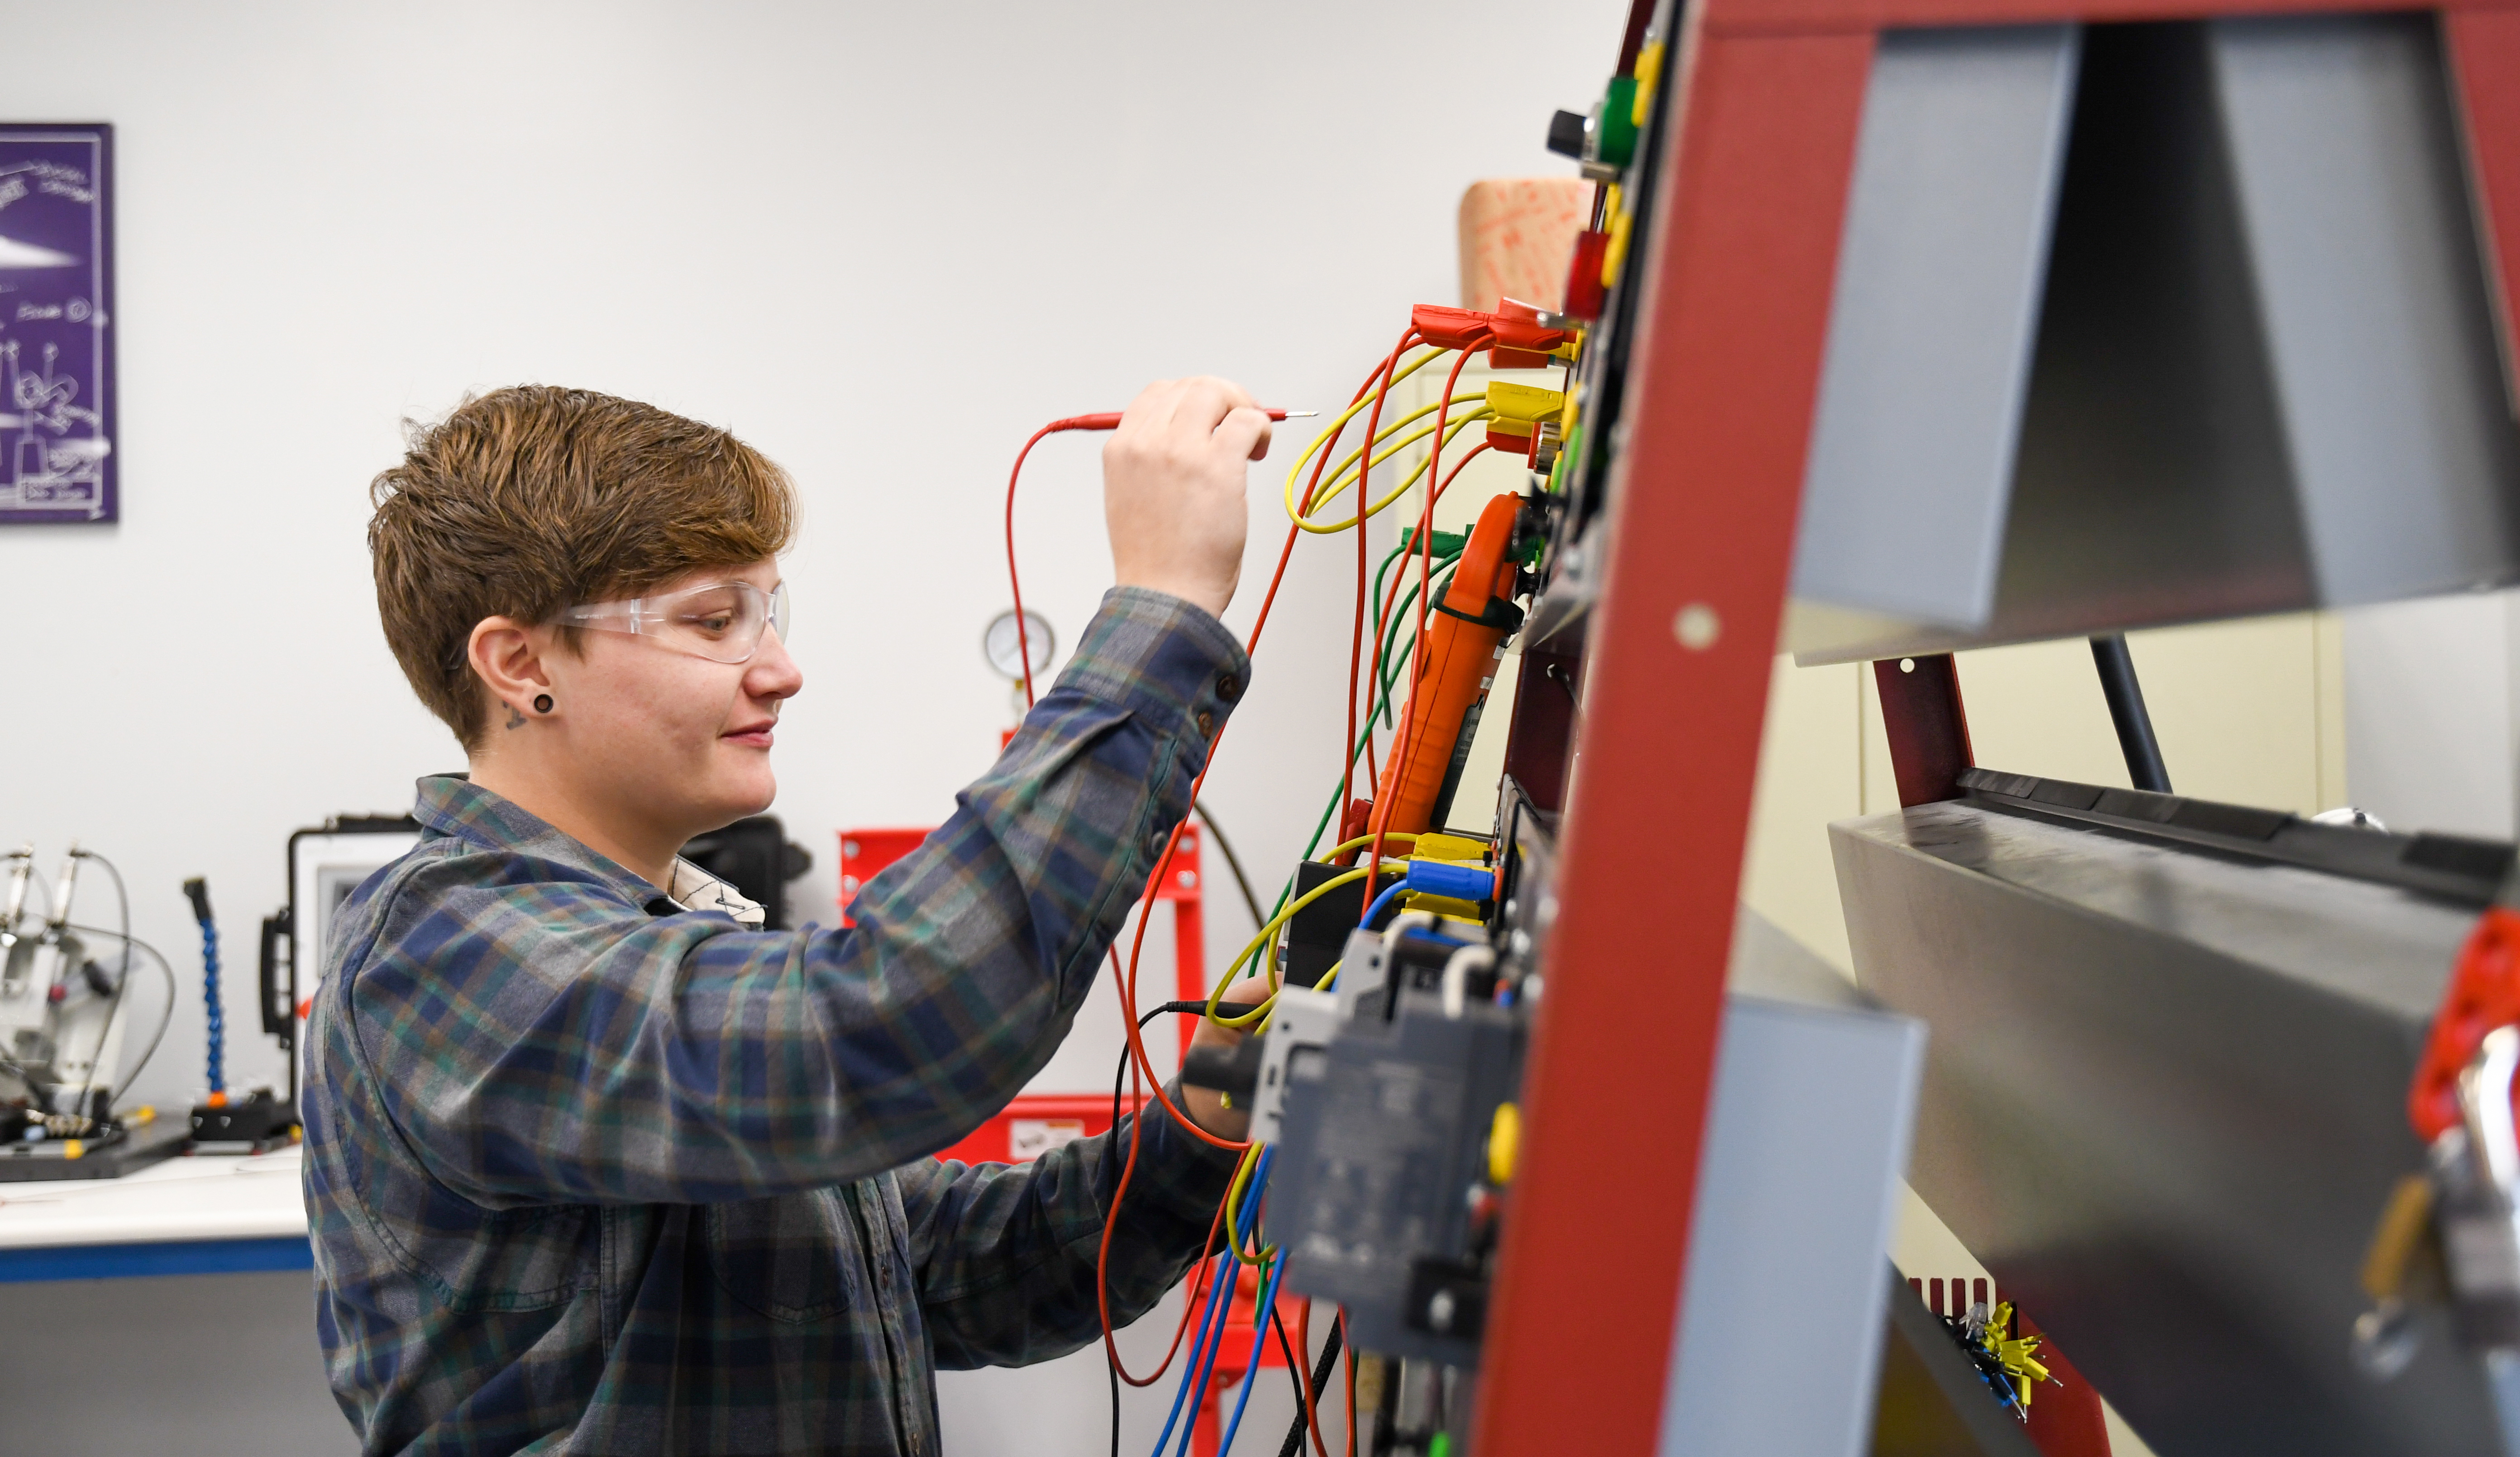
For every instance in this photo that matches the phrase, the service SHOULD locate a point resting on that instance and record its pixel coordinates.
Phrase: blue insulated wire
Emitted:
(211, 1003)
(1216, 1286)
(1389, 894)
(1242, 1234)
(1259, 1341)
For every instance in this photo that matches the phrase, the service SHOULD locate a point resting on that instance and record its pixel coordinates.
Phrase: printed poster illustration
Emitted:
(57, 416)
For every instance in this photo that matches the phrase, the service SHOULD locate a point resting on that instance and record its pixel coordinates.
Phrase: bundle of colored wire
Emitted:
(1259, 1342)
(1140, 1069)
(1193, 1393)
(1404, 744)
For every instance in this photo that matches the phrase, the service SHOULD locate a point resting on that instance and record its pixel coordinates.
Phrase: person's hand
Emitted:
(1206, 1106)
(1174, 477)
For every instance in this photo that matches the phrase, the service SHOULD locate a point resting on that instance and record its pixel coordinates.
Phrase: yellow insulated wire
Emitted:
(1328, 980)
(1249, 1161)
(1364, 402)
(1389, 837)
(1339, 483)
(1259, 1009)
(1338, 474)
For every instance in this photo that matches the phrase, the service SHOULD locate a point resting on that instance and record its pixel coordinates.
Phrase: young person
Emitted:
(595, 1164)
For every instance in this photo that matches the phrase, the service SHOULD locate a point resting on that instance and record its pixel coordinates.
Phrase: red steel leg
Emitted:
(2485, 69)
(1928, 732)
(1719, 399)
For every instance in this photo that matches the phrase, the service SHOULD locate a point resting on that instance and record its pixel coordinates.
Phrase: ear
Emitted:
(507, 655)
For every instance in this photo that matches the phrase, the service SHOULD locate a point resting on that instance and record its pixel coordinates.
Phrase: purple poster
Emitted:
(55, 323)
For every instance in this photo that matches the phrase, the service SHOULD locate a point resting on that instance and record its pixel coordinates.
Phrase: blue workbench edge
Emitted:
(289, 1252)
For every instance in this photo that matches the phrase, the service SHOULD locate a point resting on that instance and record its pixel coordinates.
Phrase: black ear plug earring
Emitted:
(542, 703)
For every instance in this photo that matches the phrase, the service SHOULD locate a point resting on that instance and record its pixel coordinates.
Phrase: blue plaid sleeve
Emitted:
(1006, 1255)
(544, 1040)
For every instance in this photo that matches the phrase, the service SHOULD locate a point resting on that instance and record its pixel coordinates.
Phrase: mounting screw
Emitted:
(1697, 627)
(1439, 1310)
(1188, 878)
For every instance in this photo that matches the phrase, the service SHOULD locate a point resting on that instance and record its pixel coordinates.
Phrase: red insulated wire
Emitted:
(1403, 745)
(1356, 637)
(1106, 420)
(1312, 1408)
(1390, 596)
(1142, 1071)
(1137, 946)
(1014, 581)
(1102, 1287)
(1101, 1262)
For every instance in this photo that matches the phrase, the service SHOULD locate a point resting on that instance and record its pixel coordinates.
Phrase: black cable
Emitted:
(1118, 1079)
(1386, 1414)
(1232, 861)
(1321, 1382)
(1111, 1368)
(1295, 1367)
(2126, 710)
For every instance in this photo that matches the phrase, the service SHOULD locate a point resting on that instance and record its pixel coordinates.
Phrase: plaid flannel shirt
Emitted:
(591, 1171)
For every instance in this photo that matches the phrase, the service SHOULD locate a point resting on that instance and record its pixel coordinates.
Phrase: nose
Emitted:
(772, 674)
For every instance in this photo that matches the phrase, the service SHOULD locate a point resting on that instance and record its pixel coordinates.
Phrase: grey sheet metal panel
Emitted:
(2378, 321)
(1936, 303)
(1815, 1089)
(2164, 1101)
(2266, 376)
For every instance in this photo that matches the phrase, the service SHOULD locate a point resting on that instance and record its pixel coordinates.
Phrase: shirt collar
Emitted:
(453, 805)
(695, 889)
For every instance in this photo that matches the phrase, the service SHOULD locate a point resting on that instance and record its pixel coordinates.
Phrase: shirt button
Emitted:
(1229, 687)
(1207, 722)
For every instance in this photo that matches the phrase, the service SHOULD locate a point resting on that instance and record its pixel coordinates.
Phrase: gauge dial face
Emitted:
(1006, 656)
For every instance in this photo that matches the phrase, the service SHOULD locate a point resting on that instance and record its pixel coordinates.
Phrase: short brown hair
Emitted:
(532, 499)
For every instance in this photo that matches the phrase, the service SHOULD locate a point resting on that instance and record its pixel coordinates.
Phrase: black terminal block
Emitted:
(260, 1119)
(1317, 934)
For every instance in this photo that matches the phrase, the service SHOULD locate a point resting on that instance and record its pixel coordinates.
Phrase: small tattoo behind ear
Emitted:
(515, 719)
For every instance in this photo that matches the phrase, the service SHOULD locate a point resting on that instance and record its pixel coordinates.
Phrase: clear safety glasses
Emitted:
(721, 621)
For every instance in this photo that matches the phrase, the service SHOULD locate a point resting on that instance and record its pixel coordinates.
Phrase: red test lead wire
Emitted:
(1108, 419)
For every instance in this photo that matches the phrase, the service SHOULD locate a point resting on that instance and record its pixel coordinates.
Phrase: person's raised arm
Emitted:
(536, 1044)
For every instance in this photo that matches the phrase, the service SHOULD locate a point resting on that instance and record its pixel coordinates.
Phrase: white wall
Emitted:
(882, 242)
(2429, 732)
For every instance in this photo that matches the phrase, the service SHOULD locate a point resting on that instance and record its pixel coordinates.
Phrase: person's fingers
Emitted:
(1150, 408)
(1208, 400)
(1235, 396)
(1243, 434)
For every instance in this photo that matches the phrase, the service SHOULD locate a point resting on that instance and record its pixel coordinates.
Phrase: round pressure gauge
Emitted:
(1005, 655)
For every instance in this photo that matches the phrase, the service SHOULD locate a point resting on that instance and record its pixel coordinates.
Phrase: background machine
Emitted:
(64, 985)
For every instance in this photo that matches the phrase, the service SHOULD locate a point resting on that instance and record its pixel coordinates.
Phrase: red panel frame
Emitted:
(1726, 370)
(1722, 384)
(2485, 67)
